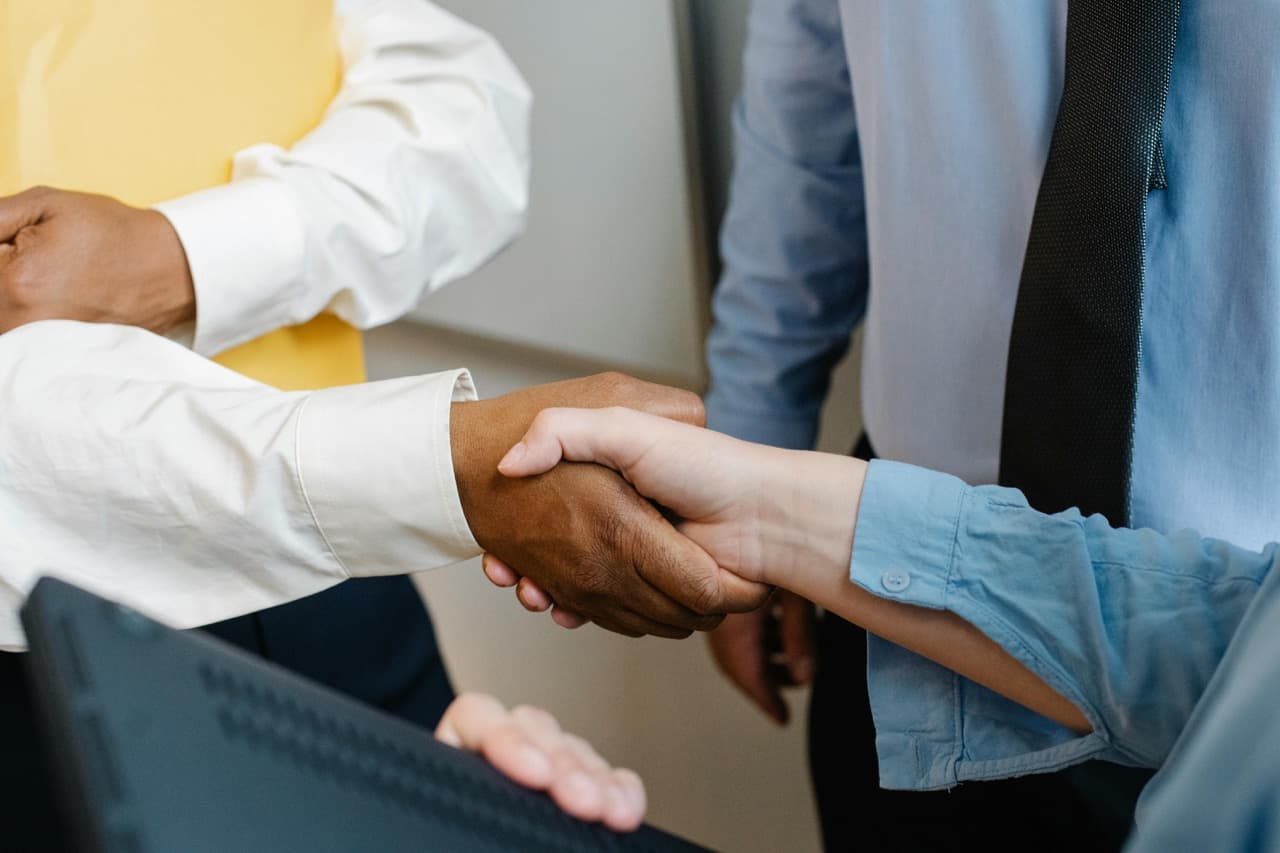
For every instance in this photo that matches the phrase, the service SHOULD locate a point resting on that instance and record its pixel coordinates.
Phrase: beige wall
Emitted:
(717, 771)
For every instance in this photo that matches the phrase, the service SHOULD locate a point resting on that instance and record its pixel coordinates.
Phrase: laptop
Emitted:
(173, 742)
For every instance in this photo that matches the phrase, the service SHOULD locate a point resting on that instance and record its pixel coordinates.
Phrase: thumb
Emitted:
(20, 211)
(612, 437)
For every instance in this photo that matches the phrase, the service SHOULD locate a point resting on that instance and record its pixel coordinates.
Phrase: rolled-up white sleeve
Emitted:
(136, 469)
(416, 175)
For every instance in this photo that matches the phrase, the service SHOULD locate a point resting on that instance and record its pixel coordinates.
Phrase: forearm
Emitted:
(810, 525)
(793, 240)
(417, 174)
(143, 472)
(1125, 626)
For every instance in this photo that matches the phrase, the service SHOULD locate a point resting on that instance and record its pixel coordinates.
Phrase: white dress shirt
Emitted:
(134, 467)
(417, 174)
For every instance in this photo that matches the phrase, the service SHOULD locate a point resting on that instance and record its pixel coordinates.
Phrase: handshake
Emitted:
(620, 511)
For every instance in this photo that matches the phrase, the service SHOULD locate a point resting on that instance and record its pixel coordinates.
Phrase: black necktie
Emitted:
(1073, 358)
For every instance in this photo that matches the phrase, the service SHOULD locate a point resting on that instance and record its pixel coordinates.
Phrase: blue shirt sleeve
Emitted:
(1220, 789)
(1129, 625)
(794, 236)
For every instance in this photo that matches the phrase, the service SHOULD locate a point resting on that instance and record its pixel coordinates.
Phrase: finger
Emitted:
(20, 211)
(632, 624)
(479, 723)
(670, 403)
(467, 719)
(736, 594)
(498, 572)
(797, 636)
(681, 569)
(613, 437)
(567, 618)
(633, 790)
(616, 808)
(585, 752)
(541, 727)
(575, 789)
(532, 596)
(740, 652)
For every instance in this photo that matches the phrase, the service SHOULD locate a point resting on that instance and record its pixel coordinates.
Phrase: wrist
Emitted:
(808, 520)
(174, 296)
(470, 471)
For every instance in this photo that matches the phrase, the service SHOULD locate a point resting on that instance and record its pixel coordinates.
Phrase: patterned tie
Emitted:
(1073, 357)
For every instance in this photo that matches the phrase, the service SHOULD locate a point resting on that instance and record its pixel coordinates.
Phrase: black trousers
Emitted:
(369, 638)
(1087, 809)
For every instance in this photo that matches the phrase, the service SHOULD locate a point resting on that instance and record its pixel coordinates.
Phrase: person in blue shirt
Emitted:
(1141, 648)
(888, 162)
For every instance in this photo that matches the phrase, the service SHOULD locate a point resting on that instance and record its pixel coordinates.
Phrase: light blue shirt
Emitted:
(888, 160)
(1130, 625)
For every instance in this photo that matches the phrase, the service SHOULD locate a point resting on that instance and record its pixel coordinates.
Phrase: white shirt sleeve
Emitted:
(139, 470)
(416, 175)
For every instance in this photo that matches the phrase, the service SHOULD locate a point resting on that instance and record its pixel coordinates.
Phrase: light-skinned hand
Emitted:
(528, 746)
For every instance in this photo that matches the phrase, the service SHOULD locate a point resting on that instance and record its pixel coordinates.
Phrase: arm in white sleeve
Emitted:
(133, 467)
(416, 175)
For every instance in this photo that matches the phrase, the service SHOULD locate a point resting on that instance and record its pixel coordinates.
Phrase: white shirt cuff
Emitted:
(245, 245)
(377, 471)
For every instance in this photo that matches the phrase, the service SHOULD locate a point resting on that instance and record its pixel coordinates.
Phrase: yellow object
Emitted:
(145, 100)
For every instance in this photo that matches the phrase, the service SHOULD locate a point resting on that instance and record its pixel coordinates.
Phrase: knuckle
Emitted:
(471, 702)
(20, 282)
(616, 536)
(699, 411)
(533, 716)
(590, 582)
(704, 594)
(689, 407)
(613, 384)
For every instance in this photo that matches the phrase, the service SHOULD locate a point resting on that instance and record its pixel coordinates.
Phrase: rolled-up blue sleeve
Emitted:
(794, 236)
(1129, 625)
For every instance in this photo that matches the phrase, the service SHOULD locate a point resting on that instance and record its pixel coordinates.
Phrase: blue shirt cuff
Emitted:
(934, 728)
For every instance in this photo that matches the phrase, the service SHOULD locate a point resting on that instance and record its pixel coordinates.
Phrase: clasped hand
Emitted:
(739, 503)
(580, 533)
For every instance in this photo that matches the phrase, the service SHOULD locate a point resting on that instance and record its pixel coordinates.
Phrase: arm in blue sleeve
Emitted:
(1220, 789)
(794, 236)
(1129, 625)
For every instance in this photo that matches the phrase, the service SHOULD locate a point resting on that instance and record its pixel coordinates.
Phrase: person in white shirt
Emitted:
(133, 466)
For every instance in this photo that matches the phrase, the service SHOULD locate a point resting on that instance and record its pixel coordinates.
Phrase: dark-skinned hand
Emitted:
(74, 256)
(580, 532)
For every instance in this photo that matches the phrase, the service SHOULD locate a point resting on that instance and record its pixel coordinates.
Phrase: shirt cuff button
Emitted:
(895, 581)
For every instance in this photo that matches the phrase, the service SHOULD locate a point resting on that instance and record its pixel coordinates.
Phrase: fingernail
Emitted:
(513, 456)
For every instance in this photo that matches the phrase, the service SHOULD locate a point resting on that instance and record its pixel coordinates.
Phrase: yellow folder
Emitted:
(145, 100)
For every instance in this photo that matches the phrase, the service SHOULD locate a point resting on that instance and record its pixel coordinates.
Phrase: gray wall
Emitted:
(719, 29)
(717, 770)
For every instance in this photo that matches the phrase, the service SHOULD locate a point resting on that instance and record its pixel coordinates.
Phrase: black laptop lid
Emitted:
(170, 741)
